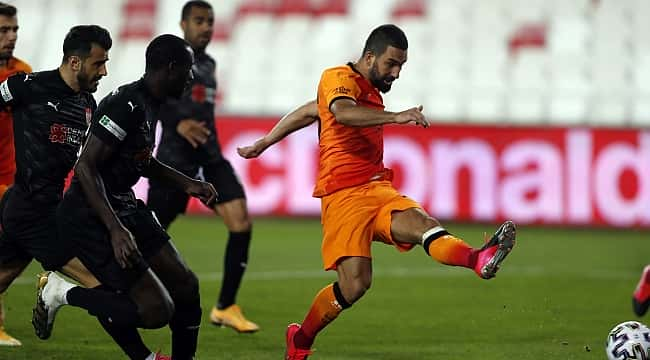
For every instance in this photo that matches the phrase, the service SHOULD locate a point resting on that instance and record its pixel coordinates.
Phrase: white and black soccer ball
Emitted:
(629, 340)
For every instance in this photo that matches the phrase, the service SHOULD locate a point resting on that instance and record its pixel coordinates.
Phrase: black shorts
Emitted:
(94, 248)
(168, 202)
(29, 231)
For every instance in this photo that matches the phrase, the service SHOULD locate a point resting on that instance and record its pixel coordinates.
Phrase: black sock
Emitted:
(116, 308)
(128, 338)
(234, 265)
(185, 327)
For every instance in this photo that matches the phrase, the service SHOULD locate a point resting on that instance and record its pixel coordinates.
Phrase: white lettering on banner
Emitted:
(608, 169)
(448, 158)
(578, 183)
(407, 156)
(266, 196)
(564, 176)
(532, 190)
(301, 169)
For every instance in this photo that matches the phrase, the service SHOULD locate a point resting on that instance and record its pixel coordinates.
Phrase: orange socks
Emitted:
(327, 305)
(448, 249)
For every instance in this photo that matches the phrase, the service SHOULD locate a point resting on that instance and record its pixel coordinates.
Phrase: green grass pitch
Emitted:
(556, 297)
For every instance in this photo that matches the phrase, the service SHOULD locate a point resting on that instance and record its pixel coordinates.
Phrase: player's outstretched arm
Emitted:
(347, 112)
(167, 174)
(295, 120)
(95, 152)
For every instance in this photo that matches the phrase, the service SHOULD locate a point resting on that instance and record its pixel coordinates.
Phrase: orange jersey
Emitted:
(7, 156)
(348, 155)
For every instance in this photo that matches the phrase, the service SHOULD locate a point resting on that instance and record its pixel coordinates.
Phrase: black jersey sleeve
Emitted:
(113, 121)
(14, 90)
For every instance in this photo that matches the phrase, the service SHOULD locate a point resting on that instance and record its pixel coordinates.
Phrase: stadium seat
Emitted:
(640, 114)
(528, 87)
(28, 46)
(610, 85)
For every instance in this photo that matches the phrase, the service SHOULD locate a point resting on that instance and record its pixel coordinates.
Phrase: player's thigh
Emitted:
(76, 270)
(166, 202)
(407, 226)
(222, 175)
(10, 270)
(33, 232)
(174, 272)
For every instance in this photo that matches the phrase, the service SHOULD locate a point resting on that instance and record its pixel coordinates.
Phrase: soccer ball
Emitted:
(629, 340)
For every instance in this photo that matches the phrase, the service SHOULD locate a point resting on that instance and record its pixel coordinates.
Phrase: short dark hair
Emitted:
(187, 8)
(79, 40)
(384, 36)
(7, 10)
(165, 49)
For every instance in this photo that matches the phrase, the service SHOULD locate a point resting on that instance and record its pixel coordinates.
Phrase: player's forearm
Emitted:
(168, 175)
(93, 187)
(297, 119)
(363, 117)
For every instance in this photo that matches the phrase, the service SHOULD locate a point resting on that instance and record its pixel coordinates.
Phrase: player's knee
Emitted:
(187, 291)
(356, 289)
(241, 224)
(157, 312)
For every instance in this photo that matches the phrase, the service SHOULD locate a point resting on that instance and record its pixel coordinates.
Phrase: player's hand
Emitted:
(412, 115)
(252, 151)
(195, 132)
(124, 247)
(204, 191)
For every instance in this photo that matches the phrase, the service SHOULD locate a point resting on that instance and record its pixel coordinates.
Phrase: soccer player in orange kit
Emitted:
(359, 204)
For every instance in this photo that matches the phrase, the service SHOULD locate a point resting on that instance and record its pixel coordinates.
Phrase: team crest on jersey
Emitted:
(89, 115)
(62, 134)
(202, 94)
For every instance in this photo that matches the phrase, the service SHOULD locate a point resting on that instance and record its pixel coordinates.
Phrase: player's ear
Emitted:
(368, 57)
(75, 62)
(183, 25)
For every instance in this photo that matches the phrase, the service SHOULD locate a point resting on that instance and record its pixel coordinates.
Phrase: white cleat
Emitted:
(51, 292)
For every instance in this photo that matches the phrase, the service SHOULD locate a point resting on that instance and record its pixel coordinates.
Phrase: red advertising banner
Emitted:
(467, 172)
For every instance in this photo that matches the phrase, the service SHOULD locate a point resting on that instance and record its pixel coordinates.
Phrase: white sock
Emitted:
(62, 287)
(151, 356)
(430, 232)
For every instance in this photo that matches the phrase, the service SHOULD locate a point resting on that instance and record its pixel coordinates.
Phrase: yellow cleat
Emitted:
(8, 340)
(232, 317)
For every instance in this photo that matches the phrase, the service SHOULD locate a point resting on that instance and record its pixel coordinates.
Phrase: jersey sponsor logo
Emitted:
(5, 92)
(342, 90)
(112, 127)
(65, 135)
(53, 105)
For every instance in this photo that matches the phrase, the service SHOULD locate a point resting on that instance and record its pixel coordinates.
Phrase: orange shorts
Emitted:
(354, 217)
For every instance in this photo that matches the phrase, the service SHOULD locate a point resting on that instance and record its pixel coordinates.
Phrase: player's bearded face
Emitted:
(8, 36)
(386, 68)
(383, 82)
(92, 69)
(88, 79)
